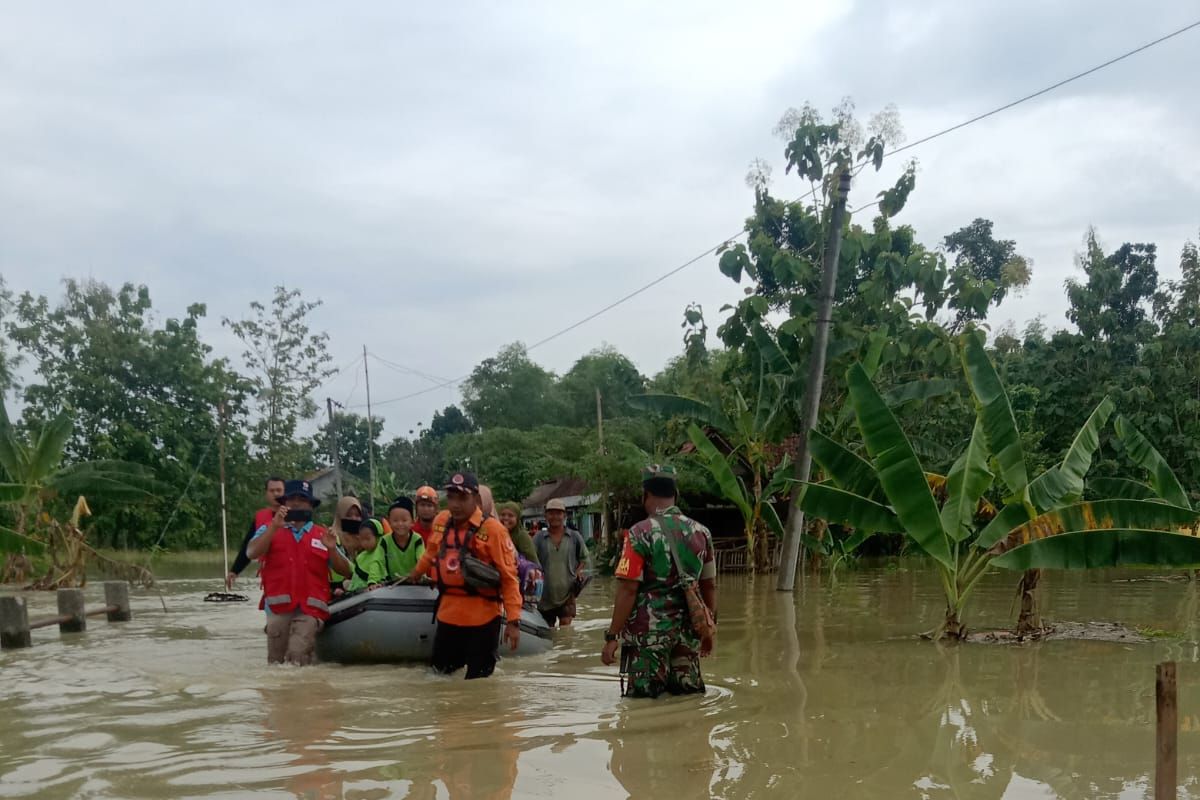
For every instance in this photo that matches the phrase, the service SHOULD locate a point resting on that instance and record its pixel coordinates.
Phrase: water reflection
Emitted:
(827, 693)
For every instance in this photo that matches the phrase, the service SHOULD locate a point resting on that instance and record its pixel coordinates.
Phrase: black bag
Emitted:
(477, 573)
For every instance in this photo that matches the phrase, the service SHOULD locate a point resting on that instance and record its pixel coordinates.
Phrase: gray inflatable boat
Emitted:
(395, 624)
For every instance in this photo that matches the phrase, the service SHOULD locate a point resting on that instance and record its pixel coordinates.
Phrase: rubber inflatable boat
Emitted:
(395, 624)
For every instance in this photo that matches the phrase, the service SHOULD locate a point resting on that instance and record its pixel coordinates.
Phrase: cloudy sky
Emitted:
(448, 178)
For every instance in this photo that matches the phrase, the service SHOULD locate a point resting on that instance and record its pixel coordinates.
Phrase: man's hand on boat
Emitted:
(512, 633)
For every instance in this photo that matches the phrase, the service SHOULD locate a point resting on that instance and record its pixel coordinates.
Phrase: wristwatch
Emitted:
(609, 636)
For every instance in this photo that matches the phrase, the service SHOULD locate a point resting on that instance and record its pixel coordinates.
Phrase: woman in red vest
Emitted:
(296, 558)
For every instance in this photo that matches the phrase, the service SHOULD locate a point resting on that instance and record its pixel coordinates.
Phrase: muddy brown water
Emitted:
(825, 694)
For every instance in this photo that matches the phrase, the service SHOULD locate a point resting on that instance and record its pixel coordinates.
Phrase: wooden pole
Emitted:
(1167, 731)
(816, 375)
(370, 433)
(333, 447)
(14, 623)
(604, 536)
(116, 597)
(224, 510)
(70, 607)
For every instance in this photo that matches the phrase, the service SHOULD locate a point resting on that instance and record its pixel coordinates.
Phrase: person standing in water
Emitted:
(297, 556)
(660, 649)
(474, 563)
(566, 565)
(273, 491)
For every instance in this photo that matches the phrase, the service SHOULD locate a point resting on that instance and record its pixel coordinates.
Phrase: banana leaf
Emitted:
(1011, 516)
(770, 352)
(13, 542)
(969, 478)
(831, 504)
(47, 453)
(1162, 479)
(1065, 481)
(780, 480)
(770, 517)
(1121, 489)
(13, 456)
(731, 488)
(918, 390)
(673, 405)
(999, 425)
(1098, 515)
(13, 492)
(844, 467)
(900, 473)
(1117, 547)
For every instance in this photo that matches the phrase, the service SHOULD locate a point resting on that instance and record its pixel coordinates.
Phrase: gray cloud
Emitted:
(477, 174)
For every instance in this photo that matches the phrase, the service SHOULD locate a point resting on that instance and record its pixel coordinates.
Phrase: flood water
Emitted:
(827, 693)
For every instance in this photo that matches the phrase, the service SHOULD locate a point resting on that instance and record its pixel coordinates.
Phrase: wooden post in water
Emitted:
(116, 597)
(1167, 732)
(70, 604)
(14, 623)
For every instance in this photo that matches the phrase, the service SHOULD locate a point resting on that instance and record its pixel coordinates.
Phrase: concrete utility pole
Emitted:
(333, 447)
(224, 514)
(603, 489)
(816, 376)
(370, 433)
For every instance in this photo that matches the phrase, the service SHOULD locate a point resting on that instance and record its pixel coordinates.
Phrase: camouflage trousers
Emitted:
(649, 669)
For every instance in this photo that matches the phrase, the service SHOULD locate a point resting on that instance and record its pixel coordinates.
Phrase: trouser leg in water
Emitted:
(473, 647)
(650, 670)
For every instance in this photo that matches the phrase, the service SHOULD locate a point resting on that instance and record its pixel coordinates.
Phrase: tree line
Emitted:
(146, 390)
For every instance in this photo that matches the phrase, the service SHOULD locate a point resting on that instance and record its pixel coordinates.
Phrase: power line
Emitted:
(406, 370)
(1049, 88)
(714, 248)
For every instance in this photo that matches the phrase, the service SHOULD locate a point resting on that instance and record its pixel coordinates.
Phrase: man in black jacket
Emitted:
(273, 492)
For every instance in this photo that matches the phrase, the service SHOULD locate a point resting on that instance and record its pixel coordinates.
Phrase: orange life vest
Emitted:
(295, 574)
(449, 566)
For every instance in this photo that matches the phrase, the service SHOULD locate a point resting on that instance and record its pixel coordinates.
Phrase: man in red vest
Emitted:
(297, 556)
(274, 490)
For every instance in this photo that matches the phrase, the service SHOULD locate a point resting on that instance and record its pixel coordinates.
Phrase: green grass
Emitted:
(1157, 633)
(166, 558)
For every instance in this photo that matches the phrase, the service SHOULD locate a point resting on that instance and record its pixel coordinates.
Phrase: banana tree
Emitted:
(1039, 523)
(753, 470)
(35, 479)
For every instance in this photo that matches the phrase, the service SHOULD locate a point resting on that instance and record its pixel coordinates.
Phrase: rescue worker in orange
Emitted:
(474, 563)
(296, 557)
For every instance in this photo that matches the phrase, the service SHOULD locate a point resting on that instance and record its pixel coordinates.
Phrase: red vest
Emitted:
(296, 574)
(263, 517)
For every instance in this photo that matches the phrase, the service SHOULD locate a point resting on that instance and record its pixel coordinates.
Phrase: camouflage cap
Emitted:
(659, 471)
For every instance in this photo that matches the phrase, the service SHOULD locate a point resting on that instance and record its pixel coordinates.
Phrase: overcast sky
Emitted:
(451, 177)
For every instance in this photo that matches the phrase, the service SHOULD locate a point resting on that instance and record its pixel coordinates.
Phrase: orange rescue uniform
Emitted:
(491, 543)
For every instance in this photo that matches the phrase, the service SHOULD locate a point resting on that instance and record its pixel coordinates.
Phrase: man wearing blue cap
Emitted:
(296, 558)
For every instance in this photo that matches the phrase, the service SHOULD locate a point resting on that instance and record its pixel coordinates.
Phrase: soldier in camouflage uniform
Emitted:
(659, 650)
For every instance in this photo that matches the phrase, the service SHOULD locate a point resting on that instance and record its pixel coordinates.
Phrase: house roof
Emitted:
(563, 488)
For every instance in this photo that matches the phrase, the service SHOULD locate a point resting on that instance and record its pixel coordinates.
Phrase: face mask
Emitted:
(299, 515)
(351, 525)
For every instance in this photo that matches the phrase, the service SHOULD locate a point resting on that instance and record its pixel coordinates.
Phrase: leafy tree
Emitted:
(415, 462)
(138, 391)
(510, 391)
(448, 421)
(9, 357)
(987, 260)
(353, 438)
(1115, 299)
(606, 370)
(286, 361)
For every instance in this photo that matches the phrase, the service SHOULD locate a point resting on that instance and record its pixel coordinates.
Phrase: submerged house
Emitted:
(582, 512)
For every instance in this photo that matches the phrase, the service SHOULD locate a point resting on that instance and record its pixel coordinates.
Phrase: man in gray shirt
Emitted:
(566, 565)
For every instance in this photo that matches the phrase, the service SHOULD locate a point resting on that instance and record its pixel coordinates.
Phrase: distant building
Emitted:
(575, 495)
(325, 481)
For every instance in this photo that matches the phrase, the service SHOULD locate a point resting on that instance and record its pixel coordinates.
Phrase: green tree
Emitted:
(286, 361)
(509, 390)
(448, 421)
(987, 260)
(353, 439)
(9, 356)
(138, 391)
(608, 371)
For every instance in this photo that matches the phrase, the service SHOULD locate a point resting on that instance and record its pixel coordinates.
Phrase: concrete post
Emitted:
(116, 593)
(70, 604)
(14, 623)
